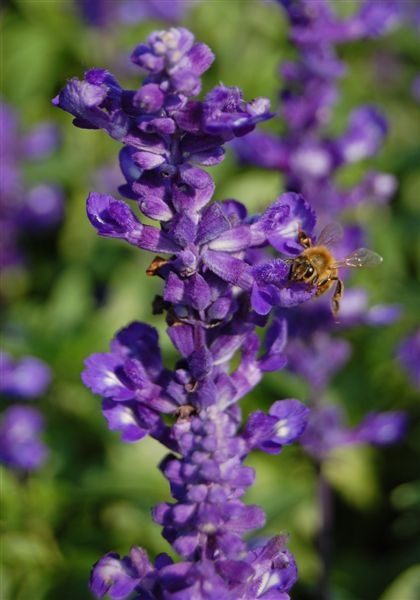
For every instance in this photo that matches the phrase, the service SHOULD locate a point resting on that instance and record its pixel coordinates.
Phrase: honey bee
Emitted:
(316, 266)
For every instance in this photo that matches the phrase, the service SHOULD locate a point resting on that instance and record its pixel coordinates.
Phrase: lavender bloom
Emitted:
(315, 355)
(308, 157)
(326, 431)
(27, 378)
(164, 132)
(22, 209)
(209, 479)
(103, 13)
(265, 572)
(409, 357)
(20, 445)
(20, 428)
(215, 293)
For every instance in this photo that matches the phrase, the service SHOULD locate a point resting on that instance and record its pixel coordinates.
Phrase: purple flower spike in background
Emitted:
(27, 378)
(409, 357)
(21, 447)
(105, 13)
(24, 210)
(311, 159)
(308, 156)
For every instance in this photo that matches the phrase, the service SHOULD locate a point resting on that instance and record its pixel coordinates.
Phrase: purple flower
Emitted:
(381, 429)
(364, 137)
(41, 141)
(307, 156)
(283, 220)
(228, 115)
(116, 577)
(317, 359)
(24, 210)
(215, 246)
(102, 13)
(326, 431)
(284, 424)
(133, 383)
(20, 443)
(172, 58)
(268, 571)
(220, 280)
(408, 355)
(164, 131)
(27, 378)
(42, 209)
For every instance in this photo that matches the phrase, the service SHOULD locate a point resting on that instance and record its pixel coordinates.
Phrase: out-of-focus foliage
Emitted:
(76, 290)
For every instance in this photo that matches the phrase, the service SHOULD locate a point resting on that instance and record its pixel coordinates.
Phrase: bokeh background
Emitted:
(75, 290)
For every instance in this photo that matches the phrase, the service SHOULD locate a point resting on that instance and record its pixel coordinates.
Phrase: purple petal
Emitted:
(263, 150)
(197, 292)
(118, 577)
(213, 223)
(182, 338)
(112, 218)
(41, 141)
(191, 199)
(20, 443)
(101, 377)
(292, 418)
(367, 129)
(233, 240)
(230, 269)
(201, 57)
(149, 98)
(26, 378)
(283, 220)
(382, 429)
(123, 417)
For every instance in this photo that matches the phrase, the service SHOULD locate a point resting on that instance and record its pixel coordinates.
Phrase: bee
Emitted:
(316, 266)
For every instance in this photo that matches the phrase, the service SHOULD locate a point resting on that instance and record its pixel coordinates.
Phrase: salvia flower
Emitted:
(23, 209)
(408, 355)
(326, 431)
(21, 427)
(308, 156)
(21, 447)
(102, 13)
(223, 271)
(26, 378)
(310, 159)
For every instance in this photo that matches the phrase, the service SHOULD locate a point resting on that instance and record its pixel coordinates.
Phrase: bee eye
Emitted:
(309, 271)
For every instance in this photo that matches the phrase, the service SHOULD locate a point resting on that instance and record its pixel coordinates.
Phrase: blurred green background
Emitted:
(95, 493)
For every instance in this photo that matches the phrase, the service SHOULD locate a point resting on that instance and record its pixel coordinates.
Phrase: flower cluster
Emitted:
(310, 160)
(306, 154)
(409, 357)
(24, 210)
(102, 13)
(21, 447)
(219, 284)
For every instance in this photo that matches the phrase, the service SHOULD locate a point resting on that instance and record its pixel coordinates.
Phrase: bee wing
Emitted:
(330, 235)
(363, 257)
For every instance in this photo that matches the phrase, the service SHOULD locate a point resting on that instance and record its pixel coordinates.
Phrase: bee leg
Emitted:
(323, 285)
(338, 294)
(304, 239)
